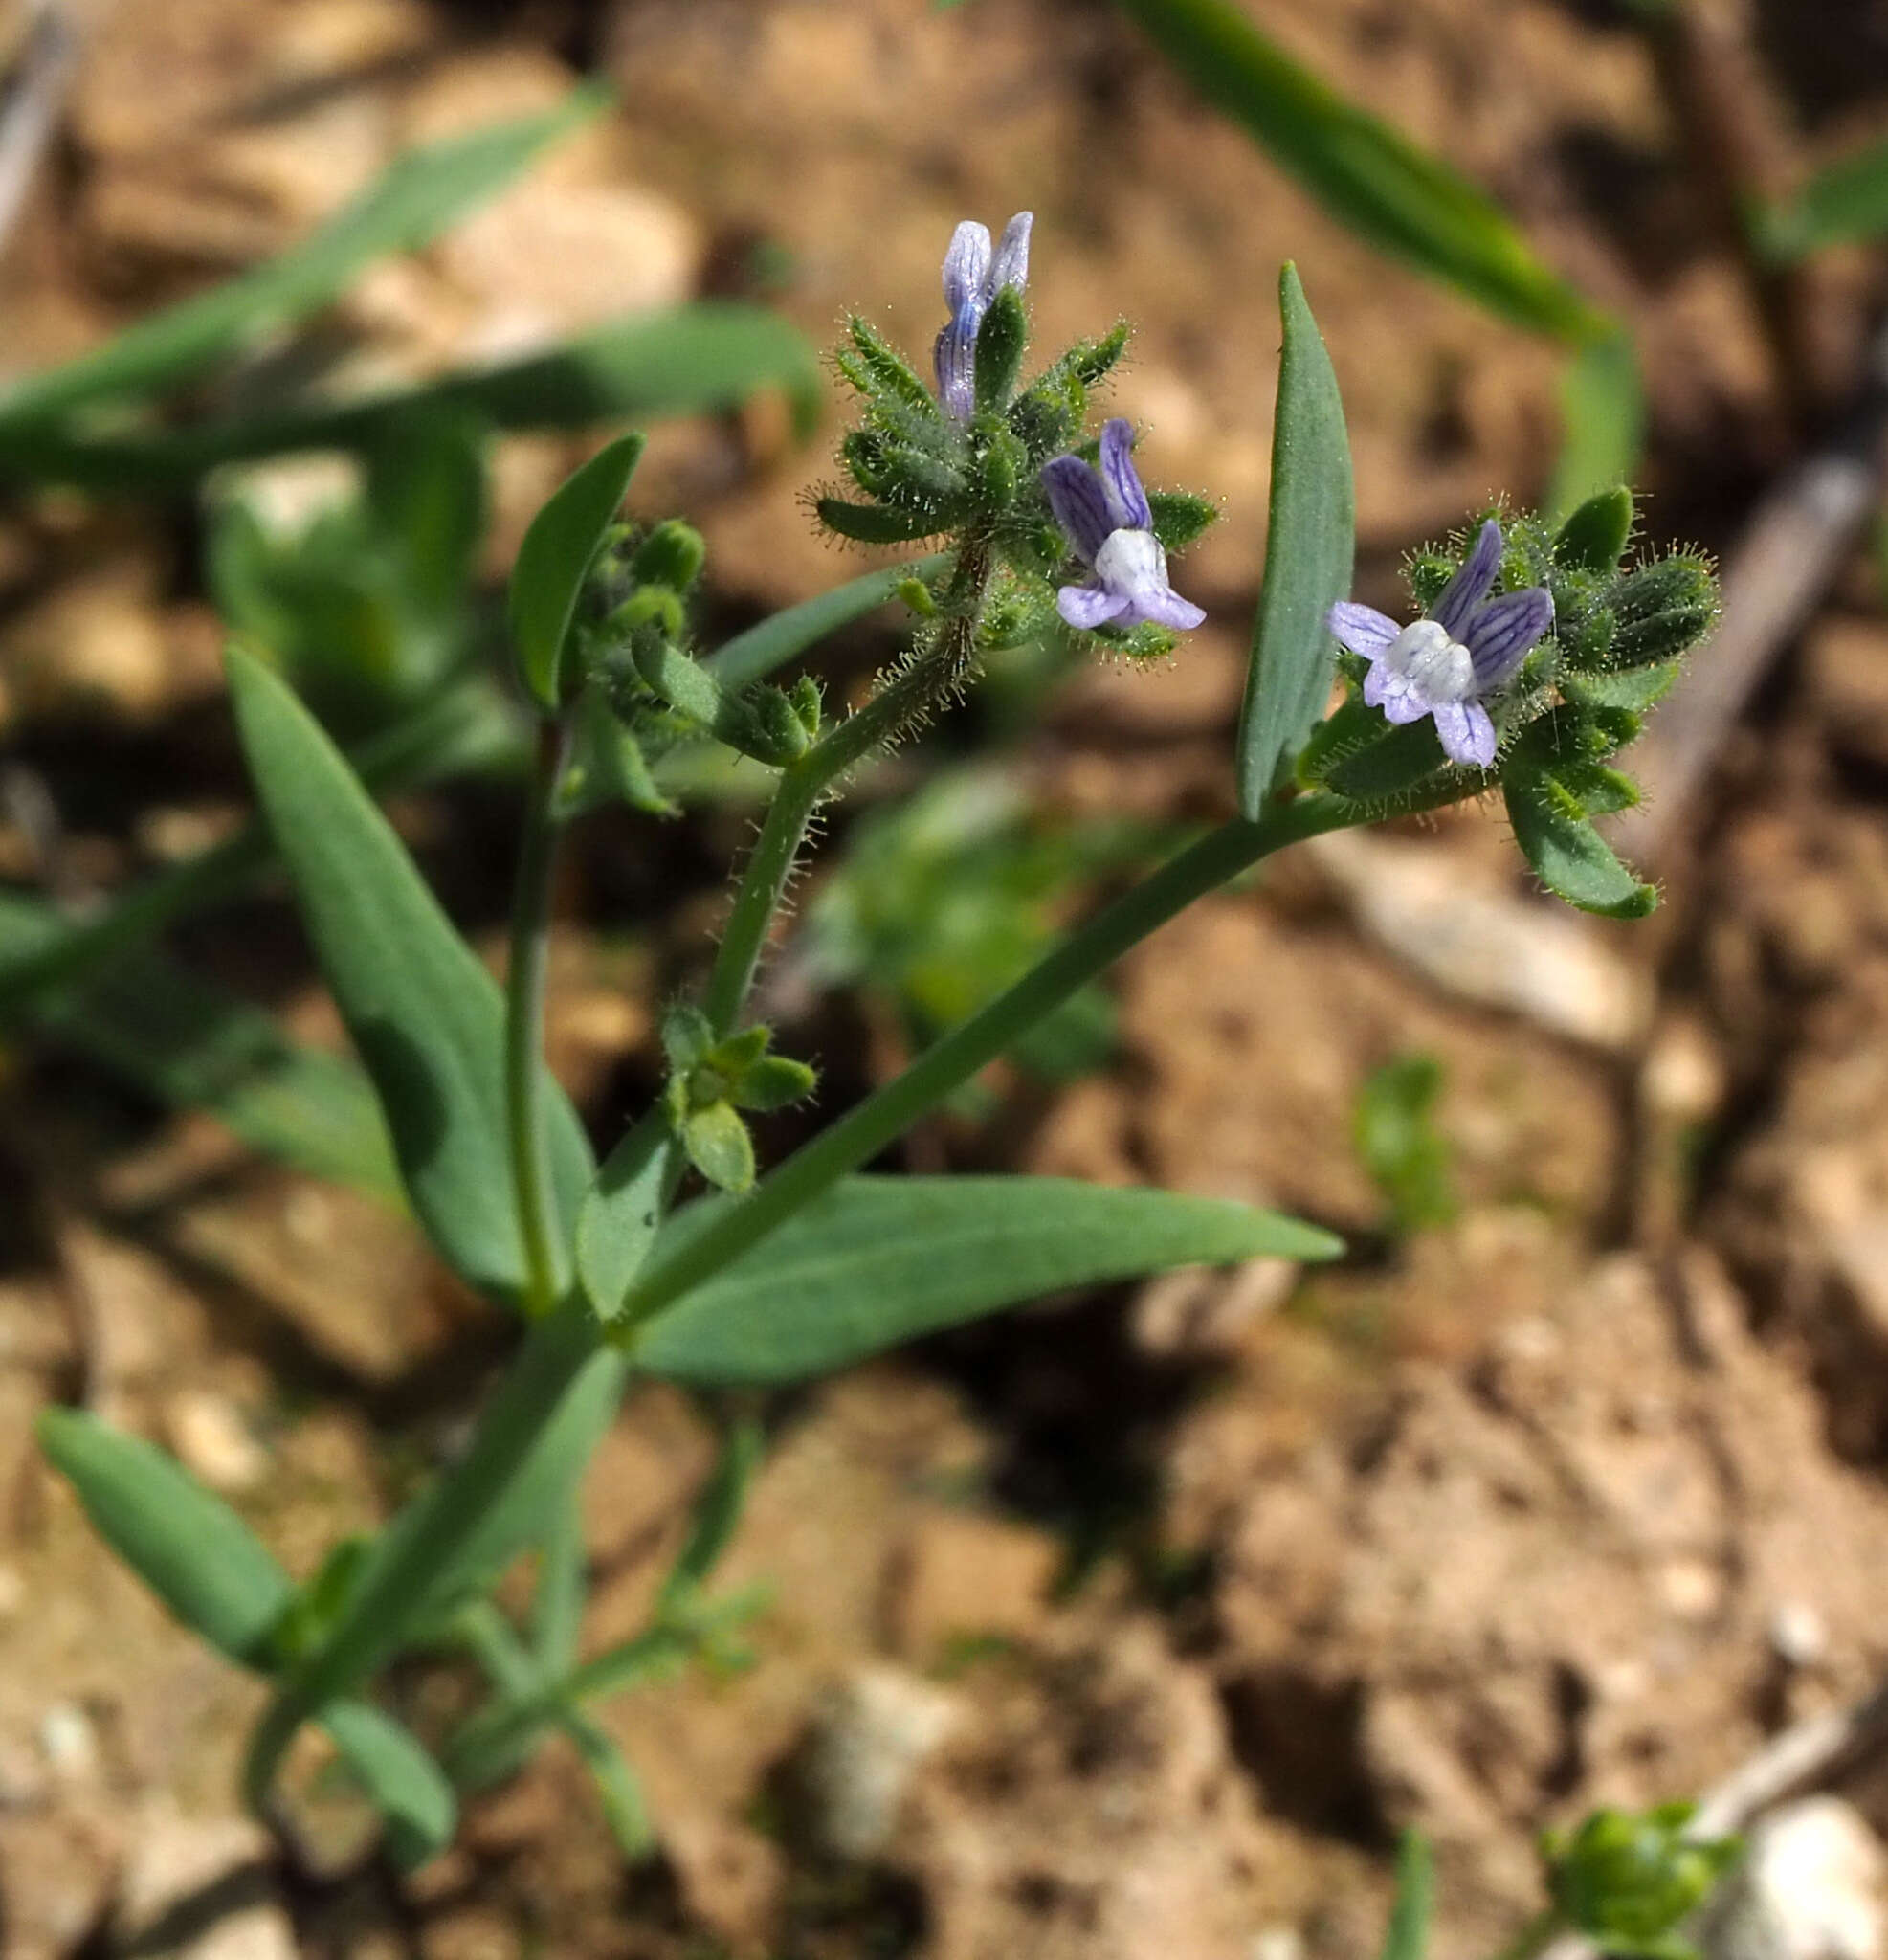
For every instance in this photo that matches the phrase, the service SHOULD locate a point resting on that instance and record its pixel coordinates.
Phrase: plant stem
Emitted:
(929, 679)
(431, 1535)
(526, 1134)
(861, 1135)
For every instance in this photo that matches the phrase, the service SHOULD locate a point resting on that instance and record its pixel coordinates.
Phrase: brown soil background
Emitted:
(1574, 1500)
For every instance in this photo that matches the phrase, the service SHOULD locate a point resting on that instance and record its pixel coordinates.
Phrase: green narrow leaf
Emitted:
(186, 1544)
(543, 1487)
(618, 1222)
(1603, 417)
(425, 1016)
(466, 725)
(194, 1047)
(1309, 551)
(1408, 1936)
(717, 1513)
(557, 1601)
(880, 1261)
(1368, 176)
(426, 486)
(1594, 536)
(687, 360)
(408, 1787)
(623, 1808)
(555, 558)
(419, 196)
(752, 655)
(1569, 856)
(1845, 203)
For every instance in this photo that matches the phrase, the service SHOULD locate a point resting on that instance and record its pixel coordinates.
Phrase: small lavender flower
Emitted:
(1104, 512)
(973, 278)
(1445, 665)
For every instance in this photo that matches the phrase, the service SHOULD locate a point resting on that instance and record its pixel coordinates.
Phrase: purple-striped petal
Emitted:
(1087, 606)
(1467, 734)
(1012, 264)
(1127, 501)
(1074, 494)
(955, 360)
(1166, 607)
(1467, 589)
(1503, 632)
(1361, 629)
(1395, 694)
(966, 268)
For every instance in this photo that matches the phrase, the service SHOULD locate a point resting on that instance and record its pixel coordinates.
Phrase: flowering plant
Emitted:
(1537, 653)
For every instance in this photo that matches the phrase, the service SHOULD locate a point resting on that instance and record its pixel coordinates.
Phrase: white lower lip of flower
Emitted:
(1132, 563)
(1439, 667)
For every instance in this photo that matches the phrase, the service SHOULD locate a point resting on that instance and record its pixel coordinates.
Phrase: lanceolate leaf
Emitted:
(408, 1787)
(1846, 202)
(1364, 172)
(418, 197)
(425, 1016)
(556, 556)
(1569, 856)
(880, 1261)
(189, 1044)
(1408, 1936)
(186, 1544)
(1603, 415)
(1309, 551)
(687, 360)
(210, 1569)
(622, 1211)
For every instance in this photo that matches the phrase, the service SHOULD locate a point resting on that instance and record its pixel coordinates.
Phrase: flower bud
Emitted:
(672, 555)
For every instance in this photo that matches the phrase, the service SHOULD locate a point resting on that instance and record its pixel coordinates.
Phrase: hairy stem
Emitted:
(527, 1135)
(904, 699)
(431, 1535)
(878, 1121)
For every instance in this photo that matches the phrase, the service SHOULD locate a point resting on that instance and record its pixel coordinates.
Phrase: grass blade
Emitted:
(419, 196)
(686, 360)
(1367, 175)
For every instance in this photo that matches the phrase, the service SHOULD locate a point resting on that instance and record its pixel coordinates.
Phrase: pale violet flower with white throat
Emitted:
(1445, 665)
(973, 275)
(1105, 515)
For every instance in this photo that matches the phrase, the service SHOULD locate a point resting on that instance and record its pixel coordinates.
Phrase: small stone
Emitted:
(1797, 1633)
(211, 1437)
(199, 1888)
(1201, 1315)
(69, 1742)
(1481, 944)
(1812, 1887)
(870, 1734)
(1278, 1943)
(1690, 1588)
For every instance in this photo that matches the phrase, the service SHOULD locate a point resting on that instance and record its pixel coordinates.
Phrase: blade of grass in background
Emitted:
(419, 196)
(1367, 175)
(190, 1045)
(1408, 1936)
(687, 360)
(1603, 409)
(468, 725)
(1845, 204)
